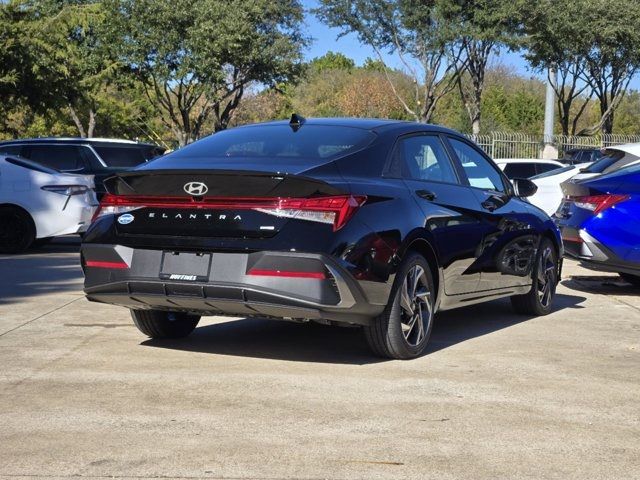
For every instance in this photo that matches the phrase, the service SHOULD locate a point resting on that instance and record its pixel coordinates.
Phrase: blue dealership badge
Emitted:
(125, 219)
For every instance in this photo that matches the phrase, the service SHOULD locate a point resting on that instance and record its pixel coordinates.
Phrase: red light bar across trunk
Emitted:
(286, 273)
(100, 264)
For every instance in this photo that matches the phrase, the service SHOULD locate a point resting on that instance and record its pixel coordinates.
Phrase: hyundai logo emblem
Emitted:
(196, 188)
(125, 219)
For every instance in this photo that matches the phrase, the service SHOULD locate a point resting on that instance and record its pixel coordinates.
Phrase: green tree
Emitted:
(595, 47)
(374, 65)
(75, 33)
(413, 30)
(481, 27)
(332, 61)
(196, 58)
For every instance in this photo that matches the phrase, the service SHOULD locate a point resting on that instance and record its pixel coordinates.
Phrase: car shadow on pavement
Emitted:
(605, 285)
(456, 326)
(42, 270)
(309, 342)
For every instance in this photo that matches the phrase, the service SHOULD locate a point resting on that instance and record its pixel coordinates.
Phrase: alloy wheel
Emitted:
(415, 303)
(546, 277)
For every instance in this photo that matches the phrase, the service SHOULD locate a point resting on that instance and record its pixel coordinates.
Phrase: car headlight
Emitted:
(66, 190)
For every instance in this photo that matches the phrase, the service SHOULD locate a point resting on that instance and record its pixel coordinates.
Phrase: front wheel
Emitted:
(632, 279)
(159, 324)
(539, 300)
(403, 329)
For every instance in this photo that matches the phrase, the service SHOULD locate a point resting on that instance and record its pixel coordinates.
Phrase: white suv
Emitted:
(38, 203)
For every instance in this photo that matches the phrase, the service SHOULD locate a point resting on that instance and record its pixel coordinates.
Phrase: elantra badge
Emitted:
(196, 188)
(125, 219)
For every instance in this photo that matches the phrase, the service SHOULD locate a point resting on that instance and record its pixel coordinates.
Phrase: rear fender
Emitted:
(421, 241)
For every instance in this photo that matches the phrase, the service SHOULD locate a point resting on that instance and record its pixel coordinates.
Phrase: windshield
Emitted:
(266, 142)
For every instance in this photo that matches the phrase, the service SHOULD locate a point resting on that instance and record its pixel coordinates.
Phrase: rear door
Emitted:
(507, 250)
(423, 162)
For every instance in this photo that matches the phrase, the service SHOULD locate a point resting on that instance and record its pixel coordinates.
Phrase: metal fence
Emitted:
(522, 145)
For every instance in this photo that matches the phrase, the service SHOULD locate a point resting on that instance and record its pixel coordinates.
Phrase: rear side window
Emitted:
(58, 157)
(278, 141)
(120, 156)
(480, 172)
(423, 157)
(520, 170)
(10, 150)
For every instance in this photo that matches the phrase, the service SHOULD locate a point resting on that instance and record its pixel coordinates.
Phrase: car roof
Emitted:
(630, 148)
(582, 149)
(75, 140)
(528, 160)
(374, 124)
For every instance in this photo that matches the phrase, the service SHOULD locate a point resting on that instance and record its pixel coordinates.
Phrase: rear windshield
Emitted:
(604, 163)
(279, 141)
(123, 156)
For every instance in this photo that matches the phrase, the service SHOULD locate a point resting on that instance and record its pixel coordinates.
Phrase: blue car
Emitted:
(600, 222)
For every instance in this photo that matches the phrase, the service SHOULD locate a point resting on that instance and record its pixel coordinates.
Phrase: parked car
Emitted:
(614, 158)
(376, 223)
(600, 222)
(38, 203)
(574, 156)
(526, 168)
(549, 195)
(92, 156)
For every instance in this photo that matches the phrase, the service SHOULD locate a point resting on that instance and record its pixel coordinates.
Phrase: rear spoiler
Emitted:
(217, 183)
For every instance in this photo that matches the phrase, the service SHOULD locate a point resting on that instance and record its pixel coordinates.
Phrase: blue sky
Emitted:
(325, 39)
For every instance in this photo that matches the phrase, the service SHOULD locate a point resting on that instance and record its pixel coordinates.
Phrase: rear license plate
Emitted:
(191, 267)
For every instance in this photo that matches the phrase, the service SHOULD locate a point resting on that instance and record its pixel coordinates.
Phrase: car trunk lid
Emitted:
(221, 203)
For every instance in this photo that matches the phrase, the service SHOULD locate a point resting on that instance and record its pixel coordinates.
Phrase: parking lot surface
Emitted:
(84, 394)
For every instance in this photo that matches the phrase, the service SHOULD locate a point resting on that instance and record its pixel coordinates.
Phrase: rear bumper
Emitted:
(226, 287)
(593, 254)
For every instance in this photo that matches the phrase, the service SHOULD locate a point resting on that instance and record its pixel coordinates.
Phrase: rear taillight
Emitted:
(114, 204)
(598, 203)
(335, 210)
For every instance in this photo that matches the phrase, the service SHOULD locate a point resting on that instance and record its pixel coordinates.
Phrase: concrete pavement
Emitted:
(84, 394)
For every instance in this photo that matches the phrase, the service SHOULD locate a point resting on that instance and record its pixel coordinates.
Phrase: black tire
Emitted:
(17, 230)
(539, 300)
(632, 279)
(158, 324)
(402, 331)
(41, 242)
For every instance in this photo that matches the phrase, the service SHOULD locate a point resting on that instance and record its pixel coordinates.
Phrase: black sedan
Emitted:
(374, 223)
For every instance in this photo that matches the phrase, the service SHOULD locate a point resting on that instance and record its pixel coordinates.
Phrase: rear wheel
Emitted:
(403, 329)
(158, 324)
(17, 230)
(539, 300)
(41, 242)
(632, 279)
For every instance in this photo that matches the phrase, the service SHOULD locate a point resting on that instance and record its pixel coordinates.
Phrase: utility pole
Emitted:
(550, 151)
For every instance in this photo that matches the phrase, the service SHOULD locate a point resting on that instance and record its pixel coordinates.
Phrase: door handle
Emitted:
(426, 194)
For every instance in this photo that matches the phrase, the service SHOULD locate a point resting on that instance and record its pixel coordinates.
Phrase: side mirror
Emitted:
(524, 187)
